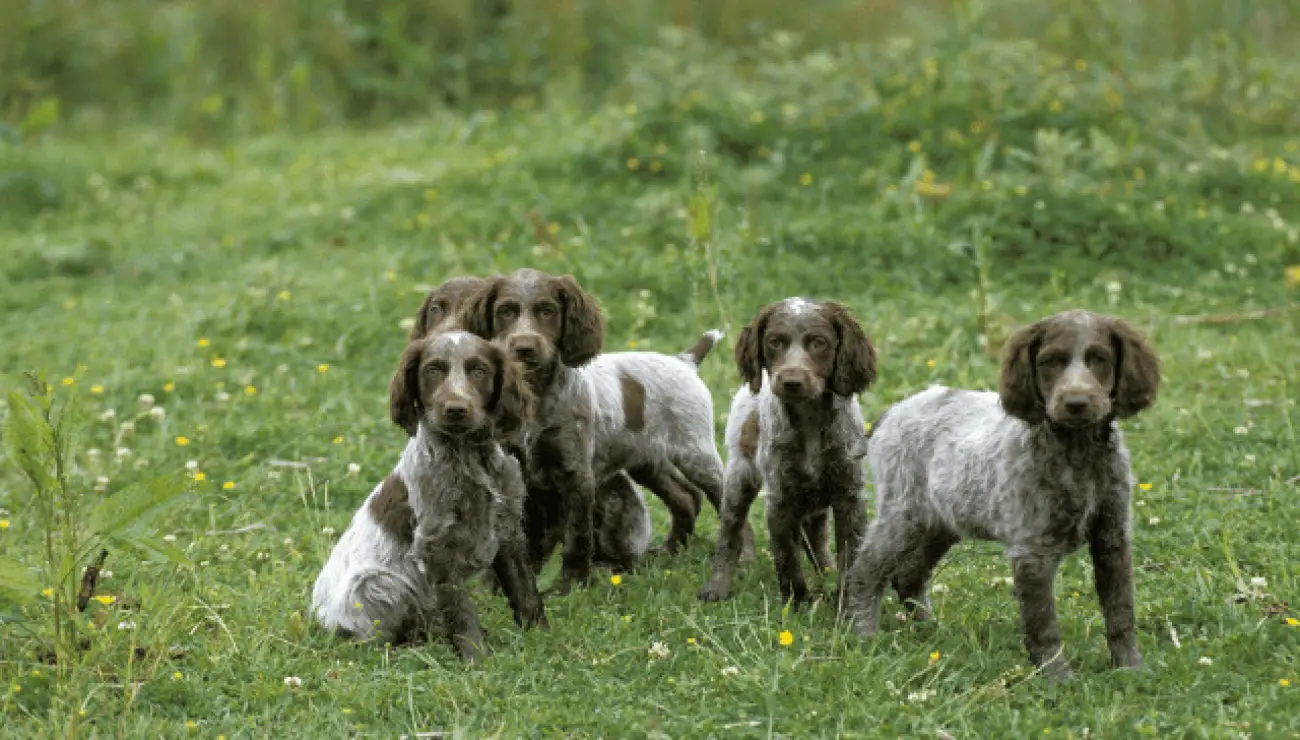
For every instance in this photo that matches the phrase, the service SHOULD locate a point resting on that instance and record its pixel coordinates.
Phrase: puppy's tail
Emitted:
(700, 350)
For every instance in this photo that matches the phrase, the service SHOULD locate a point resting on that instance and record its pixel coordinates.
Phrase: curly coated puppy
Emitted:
(792, 429)
(1039, 466)
(643, 412)
(452, 507)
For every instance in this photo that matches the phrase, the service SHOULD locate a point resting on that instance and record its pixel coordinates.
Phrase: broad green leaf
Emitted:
(133, 508)
(18, 583)
(29, 441)
(150, 549)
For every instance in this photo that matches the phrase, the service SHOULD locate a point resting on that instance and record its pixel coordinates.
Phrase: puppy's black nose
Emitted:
(524, 351)
(792, 385)
(456, 410)
(1076, 405)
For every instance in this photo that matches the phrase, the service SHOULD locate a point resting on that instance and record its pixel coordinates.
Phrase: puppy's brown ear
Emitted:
(422, 318)
(1137, 370)
(584, 325)
(404, 406)
(1018, 384)
(855, 358)
(475, 313)
(749, 350)
(512, 400)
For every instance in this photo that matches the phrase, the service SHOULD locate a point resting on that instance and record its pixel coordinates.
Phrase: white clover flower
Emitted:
(93, 453)
(222, 396)
(127, 428)
(939, 588)
(146, 401)
(353, 468)
(191, 464)
(1259, 582)
(1206, 660)
(123, 452)
(101, 484)
(157, 413)
(659, 650)
(169, 539)
(108, 415)
(327, 531)
(1153, 521)
(292, 682)
(730, 670)
(126, 626)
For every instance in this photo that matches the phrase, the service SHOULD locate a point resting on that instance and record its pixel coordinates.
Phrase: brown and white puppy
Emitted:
(621, 519)
(452, 507)
(1039, 466)
(792, 429)
(598, 415)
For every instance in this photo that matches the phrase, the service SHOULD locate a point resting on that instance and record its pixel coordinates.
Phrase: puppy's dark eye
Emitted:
(775, 342)
(1052, 363)
(433, 371)
(507, 312)
(546, 312)
(478, 371)
(818, 344)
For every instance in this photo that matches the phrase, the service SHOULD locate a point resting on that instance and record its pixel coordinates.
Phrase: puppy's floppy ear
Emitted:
(476, 312)
(1137, 370)
(404, 406)
(855, 358)
(749, 350)
(1018, 383)
(512, 401)
(421, 326)
(583, 333)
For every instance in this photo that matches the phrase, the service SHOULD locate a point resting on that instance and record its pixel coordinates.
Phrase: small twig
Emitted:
(296, 464)
(1232, 318)
(254, 527)
(1237, 491)
(734, 725)
(89, 580)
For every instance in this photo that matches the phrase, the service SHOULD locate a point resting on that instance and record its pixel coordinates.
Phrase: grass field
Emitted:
(257, 290)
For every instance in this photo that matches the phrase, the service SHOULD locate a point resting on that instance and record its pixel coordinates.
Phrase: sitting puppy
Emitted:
(792, 428)
(620, 519)
(643, 412)
(1039, 466)
(452, 507)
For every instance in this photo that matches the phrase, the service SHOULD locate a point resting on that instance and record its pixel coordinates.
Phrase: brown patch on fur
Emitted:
(392, 509)
(633, 402)
(749, 436)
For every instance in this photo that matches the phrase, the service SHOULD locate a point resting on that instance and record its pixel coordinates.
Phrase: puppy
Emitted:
(643, 412)
(1039, 466)
(792, 428)
(451, 507)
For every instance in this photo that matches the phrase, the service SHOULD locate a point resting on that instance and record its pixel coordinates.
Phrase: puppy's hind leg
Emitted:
(680, 501)
(623, 524)
(876, 564)
(703, 469)
(915, 568)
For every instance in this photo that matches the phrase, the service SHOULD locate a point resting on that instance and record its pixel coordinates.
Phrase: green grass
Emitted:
(257, 290)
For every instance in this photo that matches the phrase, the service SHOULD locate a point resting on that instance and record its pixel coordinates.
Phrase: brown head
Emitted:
(438, 312)
(539, 318)
(1077, 369)
(458, 384)
(807, 348)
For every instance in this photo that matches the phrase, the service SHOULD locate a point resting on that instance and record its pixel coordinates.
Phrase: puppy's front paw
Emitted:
(1056, 670)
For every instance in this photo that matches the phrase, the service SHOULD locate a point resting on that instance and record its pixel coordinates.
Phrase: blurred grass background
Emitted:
(218, 67)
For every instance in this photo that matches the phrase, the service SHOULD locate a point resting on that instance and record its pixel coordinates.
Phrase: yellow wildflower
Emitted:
(338, 440)
(284, 295)
(47, 592)
(1283, 682)
(4, 524)
(914, 147)
(633, 163)
(786, 638)
(96, 389)
(176, 676)
(203, 342)
(105, 599)
(616, 579)
(347, 710)
(1291, 275)
(323, 367)
(1055, 106)
(690, 641)
(182, 441)
(168, 387)
(69, 381)
(934, 657)
(228, 485)
(1145, 486)
(929, 363)
(250, 390)
(806, 179)
(200, 476)
(1292, 622)
(218, 362)
(1080, 65)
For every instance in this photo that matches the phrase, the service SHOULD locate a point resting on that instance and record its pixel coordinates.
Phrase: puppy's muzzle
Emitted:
(793, 383)
(526, 348)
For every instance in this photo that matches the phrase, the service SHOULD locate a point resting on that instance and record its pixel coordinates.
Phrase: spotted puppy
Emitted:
(621, 519)
(792, 428)
(643, 412)
(451, 508)
(1039, 466)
